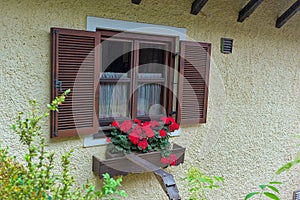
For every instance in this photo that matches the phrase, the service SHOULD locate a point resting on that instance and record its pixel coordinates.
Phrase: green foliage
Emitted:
(36, 179)
(110, 186)
(289, 165)
(286, 167)
(268, 190)
(198, 183)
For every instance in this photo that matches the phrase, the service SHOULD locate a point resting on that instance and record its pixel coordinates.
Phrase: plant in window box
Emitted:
(142, 137)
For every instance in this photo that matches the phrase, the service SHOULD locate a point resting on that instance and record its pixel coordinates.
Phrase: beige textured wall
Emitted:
(254, 93)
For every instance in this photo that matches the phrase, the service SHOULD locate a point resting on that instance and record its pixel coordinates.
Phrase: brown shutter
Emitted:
(193, 82)
(75, 65)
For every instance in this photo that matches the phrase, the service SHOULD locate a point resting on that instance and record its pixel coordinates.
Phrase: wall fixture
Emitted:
(226, 45)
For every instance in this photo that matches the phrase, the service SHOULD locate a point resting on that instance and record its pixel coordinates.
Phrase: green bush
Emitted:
(198, 183)
(36, 179)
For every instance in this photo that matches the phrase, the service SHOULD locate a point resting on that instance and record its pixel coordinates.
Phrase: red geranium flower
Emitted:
(108, 139)
(172, 159)
(126, 126)
(154, 124)
(148, 131)
(173, 127)
(133, 137)
(171, 119)
(173, 163)
(146, 124)
(162, 133)
(143, 144)
(138, 121)
(164, 160)
(165, 120)
(144, 136)
(115, 124)
(137, 130)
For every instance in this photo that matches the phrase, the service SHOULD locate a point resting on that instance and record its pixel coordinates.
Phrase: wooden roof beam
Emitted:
(136, 1)
(197, 6)
(288, 14)
(248, 9)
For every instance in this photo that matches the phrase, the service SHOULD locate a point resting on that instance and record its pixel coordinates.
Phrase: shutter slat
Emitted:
(193, 82)
(74, 64)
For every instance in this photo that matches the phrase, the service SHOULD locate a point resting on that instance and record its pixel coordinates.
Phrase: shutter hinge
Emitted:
(58, 84)
(174, 54)
(172, 113)
(55, 134)
(55, 31)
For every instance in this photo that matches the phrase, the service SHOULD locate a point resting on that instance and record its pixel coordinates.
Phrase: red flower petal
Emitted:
(126, 126)
(143, 144)
(138, 121)
(148, 131)
(164, 160)
(108, 139)
(146, 124)
(162, 133)
(155, 124)
(164, 120)
(115, 124)
(173, 127)
(171, 119)
(133, 137)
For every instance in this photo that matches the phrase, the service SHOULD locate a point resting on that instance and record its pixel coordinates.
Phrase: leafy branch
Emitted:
(198, 183)
(268, 190)
(36, 179)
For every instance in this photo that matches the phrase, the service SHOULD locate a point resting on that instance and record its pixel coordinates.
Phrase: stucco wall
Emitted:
(254, 93)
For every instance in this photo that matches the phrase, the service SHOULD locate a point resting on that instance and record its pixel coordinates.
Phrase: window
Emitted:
(120, 75)
(135, 76)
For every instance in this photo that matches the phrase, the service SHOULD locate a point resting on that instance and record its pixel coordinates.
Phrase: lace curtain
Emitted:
(149, 99)
(114, 98)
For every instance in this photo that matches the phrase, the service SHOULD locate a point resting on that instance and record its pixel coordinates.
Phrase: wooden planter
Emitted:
(123, 165)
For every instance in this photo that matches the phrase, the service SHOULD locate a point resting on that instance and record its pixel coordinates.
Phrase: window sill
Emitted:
(91, 141)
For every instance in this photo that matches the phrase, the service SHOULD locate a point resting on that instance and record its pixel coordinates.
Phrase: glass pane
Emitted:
(151, 61)
(113, 100)
(150, 100)
(116, 59)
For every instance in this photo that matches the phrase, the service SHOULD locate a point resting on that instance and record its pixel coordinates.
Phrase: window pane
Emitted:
(151, 78)
(116, 59)
(115, 64)
(151, 61)
(113, 100)
(149, 100)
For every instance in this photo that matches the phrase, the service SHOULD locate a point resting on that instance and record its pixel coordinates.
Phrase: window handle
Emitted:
(172, 113)
(58, 84)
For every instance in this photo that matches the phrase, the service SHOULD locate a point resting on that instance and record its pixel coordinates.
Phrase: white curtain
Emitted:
(113, 99)
(148, 96)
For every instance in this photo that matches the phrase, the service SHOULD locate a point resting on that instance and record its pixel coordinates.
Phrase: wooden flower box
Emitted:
(123, 164)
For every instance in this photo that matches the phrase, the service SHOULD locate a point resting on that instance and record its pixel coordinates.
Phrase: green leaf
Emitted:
(285, 167)
(271, 196)
(273, 188)
(262, 186)
(219, 178)
(275, 183)
(248, 196)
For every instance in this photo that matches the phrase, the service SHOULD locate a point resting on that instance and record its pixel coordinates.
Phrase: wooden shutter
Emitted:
(193, 82)
(75, 66)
